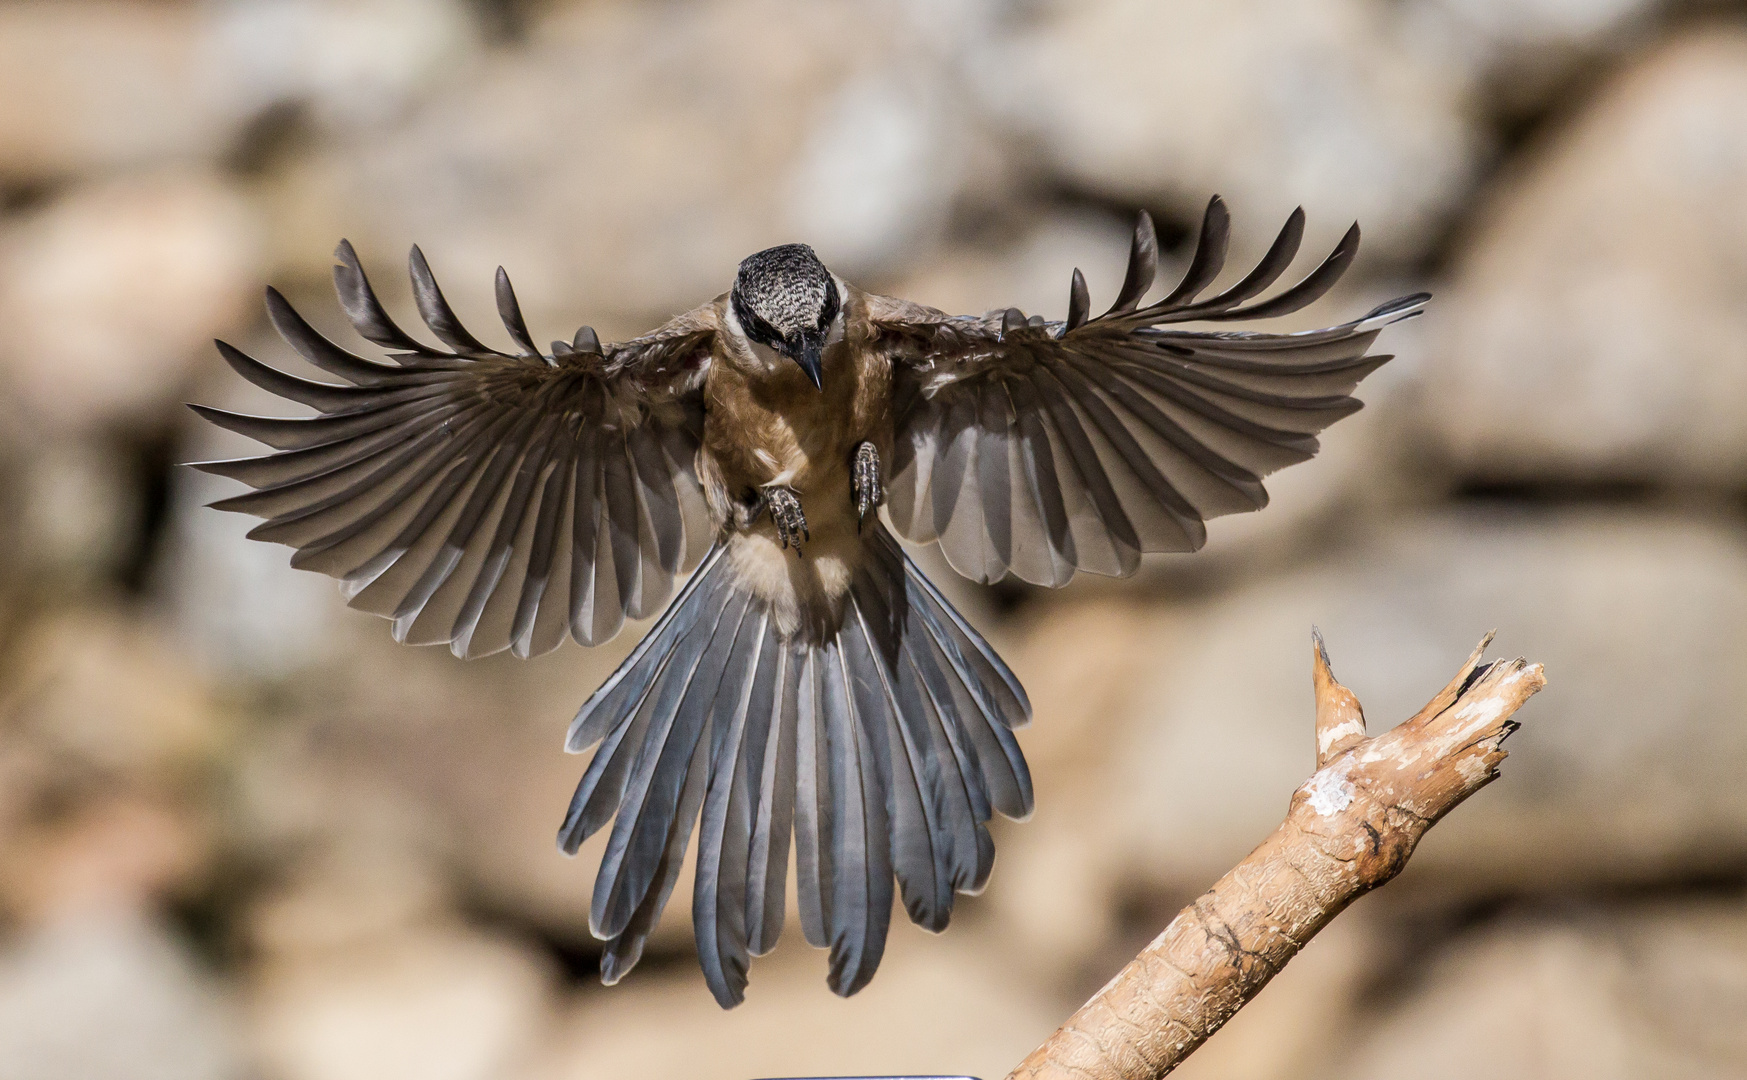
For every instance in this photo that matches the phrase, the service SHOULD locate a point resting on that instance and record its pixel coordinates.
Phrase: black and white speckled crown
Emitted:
(787, 287)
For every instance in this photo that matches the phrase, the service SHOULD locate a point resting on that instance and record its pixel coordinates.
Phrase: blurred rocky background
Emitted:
(242, 835)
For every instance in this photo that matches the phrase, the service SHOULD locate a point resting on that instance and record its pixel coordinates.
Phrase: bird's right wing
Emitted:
(482, 499)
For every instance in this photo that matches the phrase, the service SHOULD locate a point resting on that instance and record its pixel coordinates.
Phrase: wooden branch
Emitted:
(1348, 829)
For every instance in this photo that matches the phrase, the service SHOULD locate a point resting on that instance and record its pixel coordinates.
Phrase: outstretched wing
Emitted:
(1044, 448)
(482, 499)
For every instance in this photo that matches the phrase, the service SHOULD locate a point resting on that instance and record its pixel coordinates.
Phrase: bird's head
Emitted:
(785, 299)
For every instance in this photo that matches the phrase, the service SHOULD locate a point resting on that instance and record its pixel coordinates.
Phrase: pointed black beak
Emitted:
(806, 352)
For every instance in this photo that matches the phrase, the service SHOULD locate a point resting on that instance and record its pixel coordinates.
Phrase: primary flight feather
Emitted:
(808, 685)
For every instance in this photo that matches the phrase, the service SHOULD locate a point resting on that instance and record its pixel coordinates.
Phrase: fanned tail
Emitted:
(882, 744)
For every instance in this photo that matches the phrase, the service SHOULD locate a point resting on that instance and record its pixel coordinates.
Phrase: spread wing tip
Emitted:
(1402, 307)
(372, 321)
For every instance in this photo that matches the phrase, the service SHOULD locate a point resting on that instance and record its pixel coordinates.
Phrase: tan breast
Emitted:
(767, 424)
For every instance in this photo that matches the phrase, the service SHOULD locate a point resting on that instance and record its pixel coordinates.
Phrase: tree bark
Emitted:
(1349, 829)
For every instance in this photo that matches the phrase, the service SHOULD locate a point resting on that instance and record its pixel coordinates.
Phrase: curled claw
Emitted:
(865, 486)
(784, 505)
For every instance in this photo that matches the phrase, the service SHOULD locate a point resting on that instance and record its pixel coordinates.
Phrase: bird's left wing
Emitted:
(482, 499)
(1045, 448)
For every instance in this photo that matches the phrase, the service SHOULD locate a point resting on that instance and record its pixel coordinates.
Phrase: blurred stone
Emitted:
(26, 771)
(349, 63)
(78, 510)
(1626, 768)
(366, 974)
(1529, 23)
(341, 897)
(1030, 271)
(109, 294)
(115, 854)
(1052, 891)
(1522, 52)
(879, 168)
(236, 603)
(110, 997)
(623, 163)
(111, 698)
(1269, 104)
(959, 1004)
(95, 84)
(1594, 329)
(1651, 990)
(438, 1003)
(311, 782)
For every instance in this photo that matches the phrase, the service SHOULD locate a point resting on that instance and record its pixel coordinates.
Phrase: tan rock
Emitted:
(27, 771)
(1651, 990)
(73, 505)
(1593, 330)
(1522, 52)
(1053, 887)
(433, 1004)
(339, 898)
(1029, 271)
(111, 293)
(349, 63)
(109, 695)
(1269, 104)
(113, 854)
(960, 1004)
(111, 996)
(96, 84)
(236, 603)
(362, 969)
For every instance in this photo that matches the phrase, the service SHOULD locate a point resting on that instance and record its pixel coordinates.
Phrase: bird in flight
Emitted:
(807, 684)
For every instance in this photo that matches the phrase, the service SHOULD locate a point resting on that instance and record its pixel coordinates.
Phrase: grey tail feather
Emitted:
(882, 745)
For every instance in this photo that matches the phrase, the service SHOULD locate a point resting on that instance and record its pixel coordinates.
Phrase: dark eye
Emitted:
(756, 328)
(832, 304)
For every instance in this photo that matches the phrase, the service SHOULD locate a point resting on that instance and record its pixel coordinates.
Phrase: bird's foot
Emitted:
(784, 504)
(865, 487)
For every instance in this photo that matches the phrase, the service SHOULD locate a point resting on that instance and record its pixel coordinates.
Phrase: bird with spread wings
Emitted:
(808, 684)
